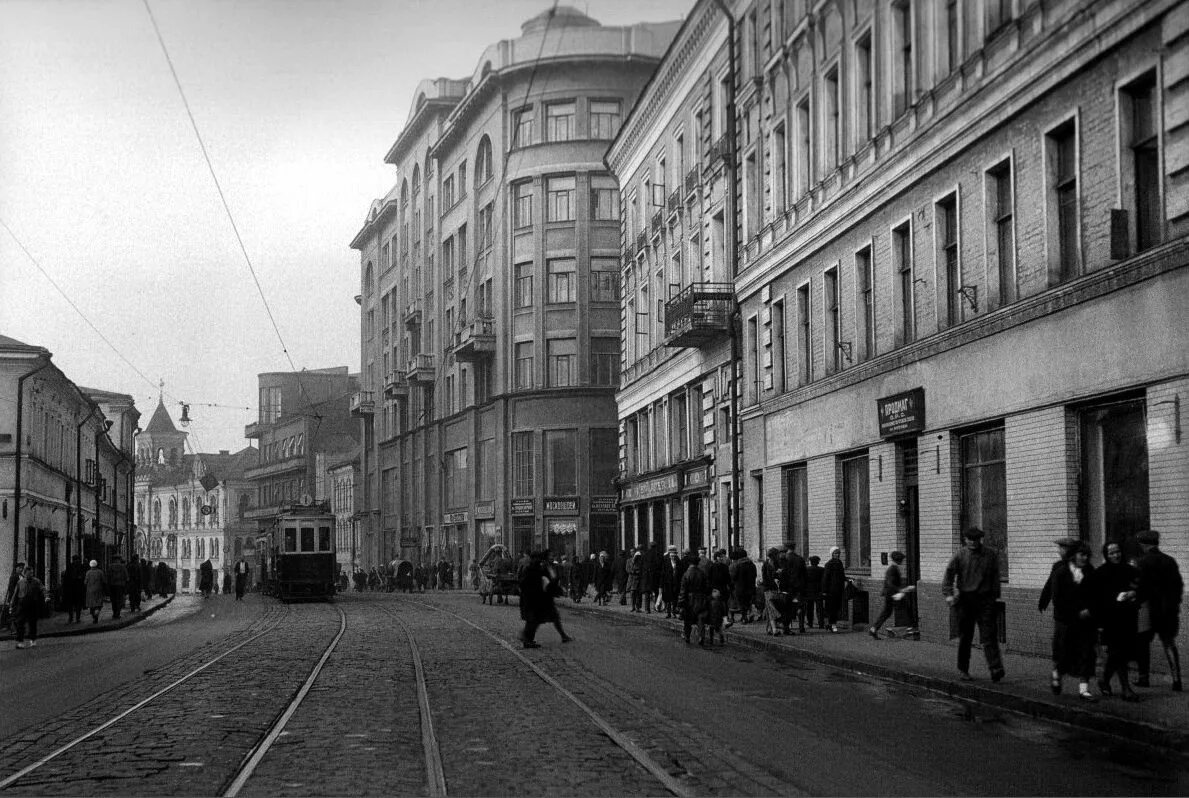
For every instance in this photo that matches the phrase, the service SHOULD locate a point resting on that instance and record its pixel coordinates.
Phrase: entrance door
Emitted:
(1114, 478)
(658, 523)
(697, 536)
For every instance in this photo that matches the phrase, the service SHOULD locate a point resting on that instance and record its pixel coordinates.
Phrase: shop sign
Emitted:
(524, 506)
(902, 413)
(604, 504)
(567, 505)
(697, 478)
(485, 509)
(456, 518)
(650, 488)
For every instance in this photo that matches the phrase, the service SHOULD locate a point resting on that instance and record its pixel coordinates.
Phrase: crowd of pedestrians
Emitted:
(441, 575)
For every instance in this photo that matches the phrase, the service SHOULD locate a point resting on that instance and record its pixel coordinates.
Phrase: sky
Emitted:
(105, 190)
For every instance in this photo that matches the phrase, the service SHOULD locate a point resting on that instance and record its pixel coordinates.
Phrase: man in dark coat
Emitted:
(146, 578)
(693, 597)
(603, 576)
(673, 569)
(795, 580)
(538, 588)
(815, 601)
(743, 585)
(206, 578)
(1161, 588)
(74, 589)
(620, 575)
(652, 576)
(134, 584)
(163, 580)
(971, 584)
(117, 585)
(893, 591)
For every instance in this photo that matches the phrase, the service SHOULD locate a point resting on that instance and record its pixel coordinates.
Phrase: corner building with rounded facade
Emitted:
(962, 284)
(489, 301)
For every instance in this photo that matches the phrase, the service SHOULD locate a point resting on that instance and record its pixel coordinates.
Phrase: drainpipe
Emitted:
(78, 481)
(736, 331)
(16, 492)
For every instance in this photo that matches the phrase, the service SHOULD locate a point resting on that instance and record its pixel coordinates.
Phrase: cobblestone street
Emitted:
(626, 709)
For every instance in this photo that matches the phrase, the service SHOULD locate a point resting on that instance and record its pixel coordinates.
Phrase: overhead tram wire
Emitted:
(501, 204)
(223, 198)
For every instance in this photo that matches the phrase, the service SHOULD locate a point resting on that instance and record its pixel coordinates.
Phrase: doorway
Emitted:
(693, 509)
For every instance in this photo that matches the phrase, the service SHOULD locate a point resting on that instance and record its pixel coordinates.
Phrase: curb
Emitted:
(91, 629)
(1103, 723)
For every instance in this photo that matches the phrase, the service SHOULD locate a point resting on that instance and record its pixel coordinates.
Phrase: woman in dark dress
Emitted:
(1074, 629)
(1117, 611)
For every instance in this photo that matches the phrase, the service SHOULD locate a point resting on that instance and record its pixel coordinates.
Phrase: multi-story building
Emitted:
(960, 278)
(66, 466)
(301, 414)
(191, 507)
(676, 415)
(338, 476)
(490, 316)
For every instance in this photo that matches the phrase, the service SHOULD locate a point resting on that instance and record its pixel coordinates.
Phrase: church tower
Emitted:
(160, 444)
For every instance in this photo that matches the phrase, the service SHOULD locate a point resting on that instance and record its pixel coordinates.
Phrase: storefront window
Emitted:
(604, 453)
(796, 502)
(523, 467)
(1114, 475)
(856, 512)
(984, 489)
(561, 472)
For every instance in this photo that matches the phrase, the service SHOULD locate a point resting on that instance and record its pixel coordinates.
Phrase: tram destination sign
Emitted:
(902, 413)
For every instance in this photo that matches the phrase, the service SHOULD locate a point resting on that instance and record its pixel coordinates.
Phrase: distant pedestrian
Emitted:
(604, 572)
(815, 602)
(620, 575)
(693, 598)
(795, 581)
(146, 577)
(96, 584)
(134, 584)
(776, 620)
(1115, 587)
(117, 585)
(226, 583)
(893, 592)
(1160, 590)
(538, 588)
(1074, 631)
(206, 578)
(1065, 547)
(671, 572)
(473, 571)
(164, 580)
(241, 578)
(634, 567)
(971, 586)
(652, 576)
(74, 589)
(834, 587)
(26, 603)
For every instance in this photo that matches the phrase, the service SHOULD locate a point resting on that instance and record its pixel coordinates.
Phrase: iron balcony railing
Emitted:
(699, 315)
(421, 368)
(363, 404)
(475, 340)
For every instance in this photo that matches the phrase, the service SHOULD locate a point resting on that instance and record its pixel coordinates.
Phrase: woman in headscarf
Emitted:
(1074, 630)
(1115, 585)
(96, 585)
(834, 587)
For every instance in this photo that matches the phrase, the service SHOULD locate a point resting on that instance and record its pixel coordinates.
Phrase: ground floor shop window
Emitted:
(795, 485)
(1114, 474)
(522, 535)
(563, 536)
(984, 489)
(856, 512)
(602, 533)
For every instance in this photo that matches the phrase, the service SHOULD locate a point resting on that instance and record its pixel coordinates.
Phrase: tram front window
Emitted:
(307, 538)
(323, 538)
(290, 538)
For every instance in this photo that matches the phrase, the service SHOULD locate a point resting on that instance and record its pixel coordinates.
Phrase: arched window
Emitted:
(369, 278)
(483, 162)
(157, 513)
(140, 512)
(186, 511)
(161, 456)
(244, 504)
(239, 547)
(173, 513)
(214, 548)
(201, 549)
(213, 501)
(416, 181)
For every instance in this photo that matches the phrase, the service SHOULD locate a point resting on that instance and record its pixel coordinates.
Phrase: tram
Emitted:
(297, 554)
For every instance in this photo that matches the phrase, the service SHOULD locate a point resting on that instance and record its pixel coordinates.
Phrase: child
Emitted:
(717, 611)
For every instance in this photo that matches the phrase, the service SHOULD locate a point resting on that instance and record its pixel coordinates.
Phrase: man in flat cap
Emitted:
(971, 586)
(1161, 589)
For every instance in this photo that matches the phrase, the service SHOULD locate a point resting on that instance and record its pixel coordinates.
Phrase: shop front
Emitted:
(524, 526)
(561, 525)
(604, 524)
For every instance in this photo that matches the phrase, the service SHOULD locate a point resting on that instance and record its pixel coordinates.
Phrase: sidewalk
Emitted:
(1160, 717)
(57, 625)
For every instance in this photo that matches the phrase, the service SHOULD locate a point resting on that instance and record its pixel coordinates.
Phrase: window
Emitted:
(902, 72)
(448, 193)
(484, 231)
(905, 283)
(753, 357)
(949, 269)
(804, 148)
(679, 427)
(795, 481)
(604, 119)
(522, 204)
(604, 199)
(488, 468)
(559, 121)
(524, 365)
(780, 177)
(448, 255)
(1140, 161)
(604, 460)
(462, 179)
(561, 462)
(522, 127)
(984, 489)
(483, 162)
(952, 56)
(864, 90)
(804, 335)
(834, 342)
(1114, 500)
(562, 362)
(1065, 256)
(856, 512)
(1001, 246)
(831, 121)
(523, 464)
(559, 199)
(865, 280)
(604, 280)
(560, 280)
(776, 353)
(604, 361)
(998, 15)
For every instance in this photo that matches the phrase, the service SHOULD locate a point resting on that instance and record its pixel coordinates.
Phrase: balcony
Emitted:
(693, 179)
(658, 223)
(421, 369)
(673, 204)
(699, 315)
(412, 315)
(255, 429)
(476, 340)
(396, 386)
(363, 404)
(641, 241)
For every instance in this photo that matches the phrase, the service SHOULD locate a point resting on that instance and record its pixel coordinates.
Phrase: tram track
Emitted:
(73, 757)
(622, 740)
